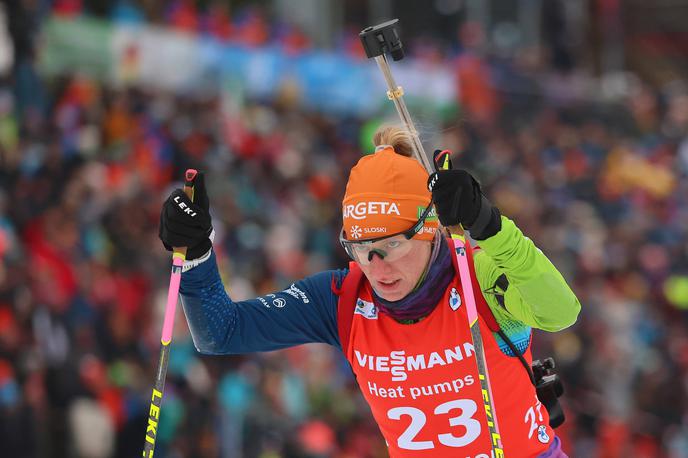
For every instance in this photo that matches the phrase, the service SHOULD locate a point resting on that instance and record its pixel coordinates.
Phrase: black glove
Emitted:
(459, 200)
(187, 224)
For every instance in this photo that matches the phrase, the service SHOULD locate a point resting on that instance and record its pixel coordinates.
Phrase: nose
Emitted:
(377, 264)
(372, 254)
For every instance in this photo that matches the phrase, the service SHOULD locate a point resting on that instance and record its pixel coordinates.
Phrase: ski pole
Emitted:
(178, 257)
(377, 41)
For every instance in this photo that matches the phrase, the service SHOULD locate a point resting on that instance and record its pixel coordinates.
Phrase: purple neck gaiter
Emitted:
(422, 300)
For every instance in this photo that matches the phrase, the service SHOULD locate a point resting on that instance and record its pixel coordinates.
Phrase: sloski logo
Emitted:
(365, 308)
(454, 299)
(356, 232)
(542, 434)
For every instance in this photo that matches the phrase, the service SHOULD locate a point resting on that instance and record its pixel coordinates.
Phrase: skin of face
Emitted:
(394, 280)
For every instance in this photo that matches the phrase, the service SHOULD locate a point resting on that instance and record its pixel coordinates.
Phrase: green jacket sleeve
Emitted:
(537, 294)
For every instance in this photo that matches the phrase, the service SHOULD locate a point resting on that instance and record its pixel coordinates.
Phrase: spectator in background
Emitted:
(68, 8)
(183, 15)
(126, 11)
(473, 76)
(23, 21)
(218, 22)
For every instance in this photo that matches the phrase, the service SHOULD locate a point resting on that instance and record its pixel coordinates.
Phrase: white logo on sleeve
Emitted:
(365, 308)
(296, 293)
(279, 302)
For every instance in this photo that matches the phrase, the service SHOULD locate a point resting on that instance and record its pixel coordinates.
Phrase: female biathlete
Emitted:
(396, 313)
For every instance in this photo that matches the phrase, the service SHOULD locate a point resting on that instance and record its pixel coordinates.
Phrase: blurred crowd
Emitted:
(599, 186)
(249, 25)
